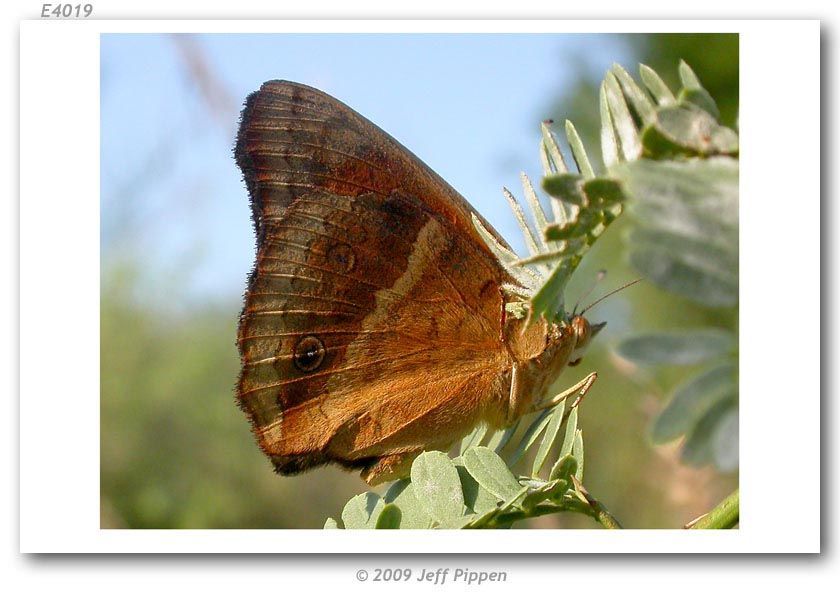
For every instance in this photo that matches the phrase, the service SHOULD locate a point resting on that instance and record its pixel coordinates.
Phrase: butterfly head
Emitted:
(567, 342)
(543, 349)
(583, 332)
(550, 346)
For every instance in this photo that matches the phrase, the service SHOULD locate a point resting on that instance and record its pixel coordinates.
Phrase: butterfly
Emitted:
(374, 324)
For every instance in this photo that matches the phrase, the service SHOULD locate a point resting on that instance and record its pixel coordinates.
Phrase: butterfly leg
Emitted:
(580, 389)
(389, 467)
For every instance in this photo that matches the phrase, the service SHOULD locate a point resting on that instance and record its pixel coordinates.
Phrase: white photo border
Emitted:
(59, 270)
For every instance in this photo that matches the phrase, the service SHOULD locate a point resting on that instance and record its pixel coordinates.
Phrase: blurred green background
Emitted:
(176, 452)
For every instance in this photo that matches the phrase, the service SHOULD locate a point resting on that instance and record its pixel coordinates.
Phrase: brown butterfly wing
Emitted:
(371, 321)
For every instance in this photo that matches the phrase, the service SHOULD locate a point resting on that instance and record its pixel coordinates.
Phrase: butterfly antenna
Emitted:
(615, 291)
(599, 277)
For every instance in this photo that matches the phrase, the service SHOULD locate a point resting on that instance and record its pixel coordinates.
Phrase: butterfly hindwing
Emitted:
(373, 310)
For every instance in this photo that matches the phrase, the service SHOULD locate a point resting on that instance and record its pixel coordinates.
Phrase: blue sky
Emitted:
(468, 105)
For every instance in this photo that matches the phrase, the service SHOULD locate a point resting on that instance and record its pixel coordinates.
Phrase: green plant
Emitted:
(478, 490)
(683, 210)
(670, 161)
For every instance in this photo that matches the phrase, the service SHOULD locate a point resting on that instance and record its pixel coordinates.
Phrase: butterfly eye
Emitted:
(582, 330)
(309, 353)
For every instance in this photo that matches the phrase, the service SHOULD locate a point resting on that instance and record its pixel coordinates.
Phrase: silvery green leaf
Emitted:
(530, 436)
(536, 210)
(480, 520)
(687, 77)
(565, 467)
(516, 499)
(602, 193)
(571, 233)
(476, 497)
(560, 212)
(699, 448)
(579, 152)
(577, 452)
(330, 523)
(656, 86)
(412, 514)
(438, 487)
(690, 275)
(362, 511)
(685, 237)
(527, 233)
(694, 93)
(500, 439)
(491, 472)
(629, 144)
(547, 258)
(718, 257)
(389, 517)
(686, 130)
(693, 399)
(677, 347)
(609, 139)
(553, 149)
(503, 253)
(569, 435)
(551, 432)
(395, 489)
(636, 95)
(725, 441)
(548, 167)
(525, 277)
(567, 187)
(474, 438)
(700, 99)
(462, 522)
(549, 298)
(542, 493)
(704, 272)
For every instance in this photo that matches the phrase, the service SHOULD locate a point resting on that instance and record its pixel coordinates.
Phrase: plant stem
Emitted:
(724, 516)
(604, 517)
(591, 508)
(599, 512)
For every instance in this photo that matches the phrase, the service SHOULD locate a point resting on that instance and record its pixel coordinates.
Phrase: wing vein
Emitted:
(317, 268)
(312, 297)
(320, 175)
(328, 149)
(356, 366)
